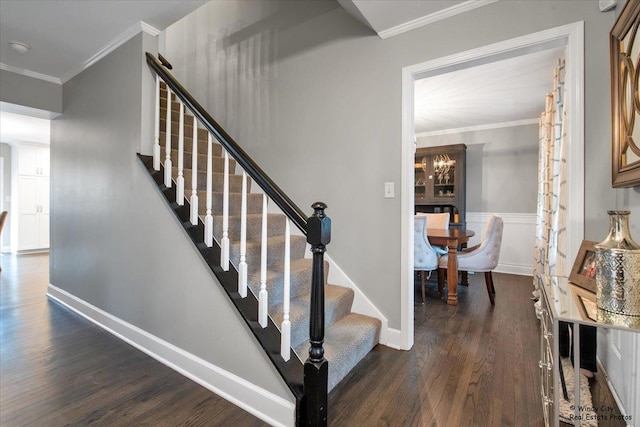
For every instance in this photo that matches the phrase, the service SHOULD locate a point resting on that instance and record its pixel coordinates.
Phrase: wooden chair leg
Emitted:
(490, 290)
(440, 281)
(422, 280)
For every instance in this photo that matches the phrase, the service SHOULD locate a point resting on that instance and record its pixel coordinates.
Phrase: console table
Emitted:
(561, 300)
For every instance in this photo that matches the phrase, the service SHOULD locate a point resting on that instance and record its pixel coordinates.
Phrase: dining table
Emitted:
(451, 238)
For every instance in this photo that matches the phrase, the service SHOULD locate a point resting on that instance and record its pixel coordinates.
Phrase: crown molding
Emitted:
(29, 73)
(533, 121)
(434, 17)
(134, 30)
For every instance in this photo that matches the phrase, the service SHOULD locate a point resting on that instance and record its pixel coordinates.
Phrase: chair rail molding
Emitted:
(516, 253)
(573, 37)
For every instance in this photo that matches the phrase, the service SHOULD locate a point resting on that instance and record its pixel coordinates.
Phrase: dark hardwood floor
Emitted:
(471, 365)
(58, 369)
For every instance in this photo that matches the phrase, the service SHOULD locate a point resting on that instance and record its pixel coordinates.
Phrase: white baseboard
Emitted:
(394, 339)
(263, 404)
(520, 270)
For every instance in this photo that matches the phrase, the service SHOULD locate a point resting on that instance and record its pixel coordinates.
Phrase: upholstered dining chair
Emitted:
(3, 219)
(482, 258)
(424, 257)
(439, 221)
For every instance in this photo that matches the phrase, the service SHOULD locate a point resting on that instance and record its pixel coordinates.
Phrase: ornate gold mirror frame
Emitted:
(625, 69)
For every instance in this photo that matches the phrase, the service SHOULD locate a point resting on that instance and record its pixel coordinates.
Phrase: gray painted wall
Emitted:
(502, 167)
(114, 242)
(304, 84)
(5, 152)
(29, 92)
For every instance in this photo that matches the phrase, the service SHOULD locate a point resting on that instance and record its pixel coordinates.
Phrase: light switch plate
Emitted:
(389, 192)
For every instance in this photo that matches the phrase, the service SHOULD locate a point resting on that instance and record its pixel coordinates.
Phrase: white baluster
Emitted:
(194, 174)
(285, 329)
(224, 243)
(262, 295)
(180, 179)
(156, 134)
(167, 161)
(208, 219)
(242, 266)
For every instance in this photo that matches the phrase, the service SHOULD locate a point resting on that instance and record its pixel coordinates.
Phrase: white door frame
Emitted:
(574, 36)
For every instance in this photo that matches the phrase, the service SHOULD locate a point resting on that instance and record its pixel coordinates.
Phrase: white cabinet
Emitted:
(33, 211)
(32, 193)
(33, 160)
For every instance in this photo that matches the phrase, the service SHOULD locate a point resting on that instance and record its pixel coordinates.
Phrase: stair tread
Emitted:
(270, 239)
(346, 343)
(337, 304)
(276, 269)
(300, 305)
(298, 244)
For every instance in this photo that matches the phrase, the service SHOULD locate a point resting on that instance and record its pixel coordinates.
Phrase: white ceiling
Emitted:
(66, 35)
(508, 91)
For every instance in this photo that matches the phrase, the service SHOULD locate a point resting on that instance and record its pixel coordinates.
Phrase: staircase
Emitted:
(348, 336)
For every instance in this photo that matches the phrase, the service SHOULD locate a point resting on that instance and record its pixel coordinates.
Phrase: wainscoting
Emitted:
(516, 254)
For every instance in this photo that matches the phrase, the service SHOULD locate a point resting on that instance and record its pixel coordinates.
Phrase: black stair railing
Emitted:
(312, 404)
(274, 192)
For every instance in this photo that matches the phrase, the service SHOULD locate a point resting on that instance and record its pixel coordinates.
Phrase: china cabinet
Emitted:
(440, 181)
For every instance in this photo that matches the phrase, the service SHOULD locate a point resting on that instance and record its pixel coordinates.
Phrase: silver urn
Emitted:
(618, 268)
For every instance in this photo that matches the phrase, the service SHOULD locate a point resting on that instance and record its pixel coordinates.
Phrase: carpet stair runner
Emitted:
(348, 336)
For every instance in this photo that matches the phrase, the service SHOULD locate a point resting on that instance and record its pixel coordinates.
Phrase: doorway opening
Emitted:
(572, 38)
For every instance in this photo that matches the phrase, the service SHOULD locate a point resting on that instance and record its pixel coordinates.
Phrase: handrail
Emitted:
(274, 192)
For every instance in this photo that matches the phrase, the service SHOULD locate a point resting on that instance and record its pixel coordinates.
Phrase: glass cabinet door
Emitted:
(420, 169)
(444, 168)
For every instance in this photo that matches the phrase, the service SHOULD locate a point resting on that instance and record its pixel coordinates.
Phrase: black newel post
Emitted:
(316, 368)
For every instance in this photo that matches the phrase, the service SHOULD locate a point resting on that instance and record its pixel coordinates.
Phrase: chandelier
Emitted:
(441, 164)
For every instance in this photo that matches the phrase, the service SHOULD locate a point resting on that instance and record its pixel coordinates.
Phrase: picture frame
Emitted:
(625, 102)
(583, 273)
(586, 303)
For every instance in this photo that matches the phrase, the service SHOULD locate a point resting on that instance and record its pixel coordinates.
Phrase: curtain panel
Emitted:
(551, 237)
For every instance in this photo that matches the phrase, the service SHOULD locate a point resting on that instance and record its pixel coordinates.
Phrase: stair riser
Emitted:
(175, 104)
(217, 162)
(300, 280)
(337, 305)
(175, 115)
(254, 203)
(202, 141)
(275, 252)
(275, 226)
(203, 134)
(235, 181)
